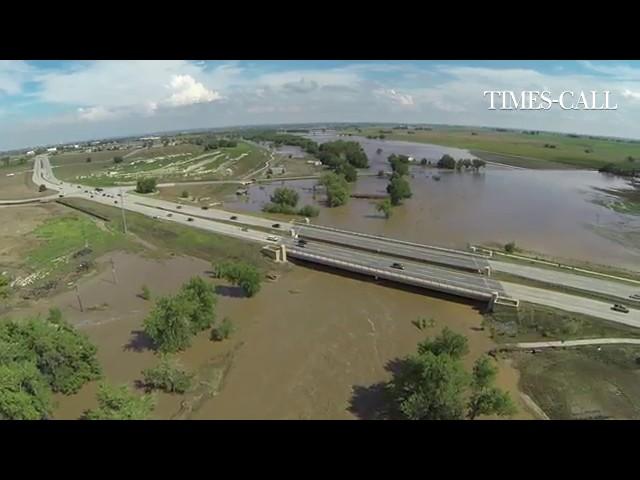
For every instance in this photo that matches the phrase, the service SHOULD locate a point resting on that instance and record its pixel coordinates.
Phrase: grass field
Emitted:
(198, 194)
(532, 322)
(172, 238)
(583, 383)
(569, 151)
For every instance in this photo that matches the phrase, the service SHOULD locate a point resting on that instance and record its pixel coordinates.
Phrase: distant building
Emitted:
(315, 163)
(52, 149)
(31, 153)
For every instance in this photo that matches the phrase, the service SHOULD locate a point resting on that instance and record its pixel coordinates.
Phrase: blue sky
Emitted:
(43, 102)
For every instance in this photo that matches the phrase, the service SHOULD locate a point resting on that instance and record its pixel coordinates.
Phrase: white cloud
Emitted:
(629, 94)
(397, 97)
(188, 92)
(13, 73)
(93, 114)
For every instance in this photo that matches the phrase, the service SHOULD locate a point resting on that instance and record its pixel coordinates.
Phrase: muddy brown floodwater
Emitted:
(303, 345)
(557, 213)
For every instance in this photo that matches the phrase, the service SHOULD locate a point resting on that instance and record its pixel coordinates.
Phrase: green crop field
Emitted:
(560, 150)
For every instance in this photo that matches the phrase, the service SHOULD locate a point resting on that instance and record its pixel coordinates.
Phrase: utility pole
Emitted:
(124, 217)
(79, 299)
(113, 272)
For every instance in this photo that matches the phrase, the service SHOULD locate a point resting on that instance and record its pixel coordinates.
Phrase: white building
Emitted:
(30, 153)
(52, 149)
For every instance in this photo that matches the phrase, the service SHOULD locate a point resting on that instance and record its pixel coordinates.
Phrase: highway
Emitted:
(571, 303)
(344, 256)
(571, 343)
(425, 253)
(480, 284)
(615, 289)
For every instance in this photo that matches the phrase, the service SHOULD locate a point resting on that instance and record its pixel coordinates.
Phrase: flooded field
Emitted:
(294, 355)
(558, 213)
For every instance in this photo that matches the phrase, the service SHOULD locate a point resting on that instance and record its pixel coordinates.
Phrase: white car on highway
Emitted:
(271, 238)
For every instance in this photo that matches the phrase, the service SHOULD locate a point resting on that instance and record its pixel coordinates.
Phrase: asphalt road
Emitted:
(423, 253)
(571, 303)
(414, 269)
(576, 343)
(582, 282)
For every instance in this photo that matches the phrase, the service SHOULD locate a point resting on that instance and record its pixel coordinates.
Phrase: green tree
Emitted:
(55, 315)
(184, 194)
(336, 187)
(24, 393)
(145, 293)
(433, 384)
(5, 286)
(202, 297)
(430, 387)
(399, 164)
(510, 247)
(477, 164)
(384, 207)
(119, 403)
(6, 161)
(65, 357)
(146, 185)
(168, 376)
(285, 196)
(223, 331)
(169, 324)
(447, 161)
(22, 161)
(117, 159)
(448, 342)
(485, 398)
(398, 189)
(242, 274)
(309, 211)
(88, 159)
(349, 171)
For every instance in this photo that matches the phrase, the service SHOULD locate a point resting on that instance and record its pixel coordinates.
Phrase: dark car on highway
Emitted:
(275, 225)
(189, 219)
(397, 265)
(620, 308)
(233, 217)
(204, 207)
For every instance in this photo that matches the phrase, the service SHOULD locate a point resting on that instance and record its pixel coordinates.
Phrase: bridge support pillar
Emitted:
(492, 302)
(276, 252)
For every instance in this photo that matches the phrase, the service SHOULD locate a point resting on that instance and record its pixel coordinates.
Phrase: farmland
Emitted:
(540, 150)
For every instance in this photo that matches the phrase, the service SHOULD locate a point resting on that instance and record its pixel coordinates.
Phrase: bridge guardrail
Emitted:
(390, 240)
(443, 287)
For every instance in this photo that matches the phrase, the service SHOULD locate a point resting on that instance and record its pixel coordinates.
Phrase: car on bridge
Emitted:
(635, 296)
(189, 219)
(620, 308)
(275, 225)
(397, 266)
(271, 238)
(233, 217)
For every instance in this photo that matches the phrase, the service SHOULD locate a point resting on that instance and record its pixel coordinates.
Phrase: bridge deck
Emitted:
(458, 283)
(407, 250)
